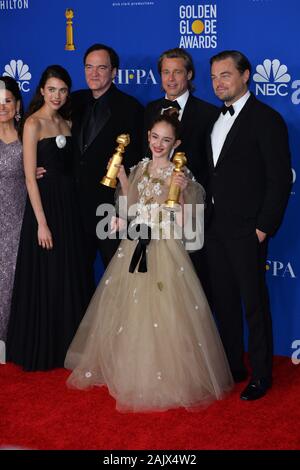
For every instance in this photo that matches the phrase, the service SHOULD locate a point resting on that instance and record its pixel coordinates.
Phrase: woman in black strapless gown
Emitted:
(51, 288)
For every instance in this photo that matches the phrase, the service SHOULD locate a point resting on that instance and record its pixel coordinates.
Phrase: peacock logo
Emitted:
(271, 70)
(271, 78)
(20, 72)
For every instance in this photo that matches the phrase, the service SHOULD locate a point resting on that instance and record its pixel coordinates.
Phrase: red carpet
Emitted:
(37, 411)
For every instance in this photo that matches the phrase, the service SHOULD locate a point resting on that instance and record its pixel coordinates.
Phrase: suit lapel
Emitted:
(234, 130)
(103, 116)
(187, 115)
(80, 133)
(209, 152)
(80, 117)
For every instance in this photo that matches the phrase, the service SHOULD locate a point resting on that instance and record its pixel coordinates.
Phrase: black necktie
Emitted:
(170, 104)
(225, 108)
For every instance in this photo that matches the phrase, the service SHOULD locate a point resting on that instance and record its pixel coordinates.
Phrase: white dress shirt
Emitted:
(223, 125)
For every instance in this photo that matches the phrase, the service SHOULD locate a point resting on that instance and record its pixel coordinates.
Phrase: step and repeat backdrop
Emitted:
(37, 33)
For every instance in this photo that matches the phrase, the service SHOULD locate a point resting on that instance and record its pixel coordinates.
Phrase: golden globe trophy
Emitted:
(172, 203)
(110, 179)
(69, 14)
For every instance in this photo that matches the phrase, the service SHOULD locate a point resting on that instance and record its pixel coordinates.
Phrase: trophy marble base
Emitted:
(111, 183)
(172, 206)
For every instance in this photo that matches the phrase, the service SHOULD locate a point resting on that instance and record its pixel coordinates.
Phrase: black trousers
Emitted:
(237, 279)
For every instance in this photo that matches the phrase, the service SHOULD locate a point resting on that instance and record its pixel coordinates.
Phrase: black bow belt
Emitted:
(140, 254)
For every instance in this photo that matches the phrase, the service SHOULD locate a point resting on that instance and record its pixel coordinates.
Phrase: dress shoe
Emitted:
(255, 389)
(239, 376)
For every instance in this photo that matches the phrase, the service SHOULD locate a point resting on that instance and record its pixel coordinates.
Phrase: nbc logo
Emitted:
(271, 78)
(20, 72)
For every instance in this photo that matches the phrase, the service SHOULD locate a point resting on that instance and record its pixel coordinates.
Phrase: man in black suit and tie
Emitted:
(177, 72)
(249, 184)
(100, 114)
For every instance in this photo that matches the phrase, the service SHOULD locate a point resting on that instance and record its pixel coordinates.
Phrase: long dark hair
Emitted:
(52, 71)
(11, 85)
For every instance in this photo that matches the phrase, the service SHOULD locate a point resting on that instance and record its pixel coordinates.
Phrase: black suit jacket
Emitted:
(251, 181)
(197, 118)
(121, 114)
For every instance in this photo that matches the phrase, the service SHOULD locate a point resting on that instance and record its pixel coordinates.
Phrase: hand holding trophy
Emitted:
(172, 203)
(110, 179)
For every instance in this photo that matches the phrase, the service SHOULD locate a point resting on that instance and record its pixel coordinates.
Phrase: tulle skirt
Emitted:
(150, 337)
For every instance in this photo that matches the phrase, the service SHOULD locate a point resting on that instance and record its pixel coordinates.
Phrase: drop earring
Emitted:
(17, 116)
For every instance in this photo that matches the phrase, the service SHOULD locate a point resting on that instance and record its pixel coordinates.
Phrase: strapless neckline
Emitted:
(53, 137)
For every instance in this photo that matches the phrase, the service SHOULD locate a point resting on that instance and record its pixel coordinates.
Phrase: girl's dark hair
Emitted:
(52, 71)
(170, 116)
(11, 85)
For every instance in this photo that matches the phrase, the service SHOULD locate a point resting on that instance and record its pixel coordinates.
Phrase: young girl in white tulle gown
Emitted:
(150, 336)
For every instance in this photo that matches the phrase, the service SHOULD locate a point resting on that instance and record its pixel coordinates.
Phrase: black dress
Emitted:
(51, 287)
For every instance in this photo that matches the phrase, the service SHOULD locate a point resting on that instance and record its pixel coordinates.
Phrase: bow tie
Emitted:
(170, 104)
(225, 108)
